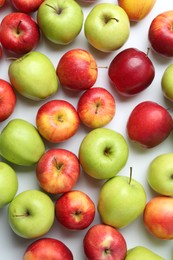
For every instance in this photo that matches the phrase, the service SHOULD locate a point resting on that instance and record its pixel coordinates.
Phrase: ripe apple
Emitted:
(75, 210)
(103, 152)
(60, 21)
(26, 6)
(140, 129)
(131, 71)
(7, 100)
(142, 253)
(57, 120)
(20, 143)
(96, 107)
(167, 82)
(107, 27)
(58, 170)
(33, 76)
(77, 70)
(158, 215)
(19, 33)
(2, 2)
(104, 242)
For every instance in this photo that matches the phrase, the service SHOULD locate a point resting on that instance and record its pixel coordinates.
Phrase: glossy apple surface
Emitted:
(26, 6)
(142, 253)
(167, 82)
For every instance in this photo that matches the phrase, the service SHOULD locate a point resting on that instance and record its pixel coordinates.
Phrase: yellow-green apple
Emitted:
(142, 253)
(19, 33)
(96, 107)
(47, 248)
(157, 217)
(26, 6)
(8, 184)
(131, 71)
(2, 2)
(33, 76)
(60, 21)
(107, 27)
(140, 129)
(167, 82)
(58, 170)
(103, 152)
(57, 120)
(77, 69)
(75, 210)
(20, 143)
(7, 100)
(31, 214)
(104, 242)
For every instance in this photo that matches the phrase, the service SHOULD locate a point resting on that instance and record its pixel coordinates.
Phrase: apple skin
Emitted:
(167, 82)
(75, 210)
(57, 120)
(104, 242)
(58, 170)
(157, 217)
(131, 71)
(140, 129)
(142, 253)
(77, 70)
(26, 6)
(2, 2)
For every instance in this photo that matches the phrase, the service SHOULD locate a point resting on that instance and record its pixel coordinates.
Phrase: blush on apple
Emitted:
(26, 6)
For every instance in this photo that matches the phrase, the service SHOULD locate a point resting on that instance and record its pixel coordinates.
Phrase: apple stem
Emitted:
(18, 30)
(148, 50)
(130, 179)
(58, 11)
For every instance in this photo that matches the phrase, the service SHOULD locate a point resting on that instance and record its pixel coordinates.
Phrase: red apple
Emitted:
(2, 2)
(58, 170)
(77, 70)
(149, 124)
(104, 242)
(131, 71)
(19, 33)
(57, 120)
(158, 217)
(75, 210)
(26, 6)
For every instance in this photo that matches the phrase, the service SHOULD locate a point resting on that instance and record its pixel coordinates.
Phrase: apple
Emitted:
(20, 143)
(47, 248)
(31, 214)
(7, 100)
(103, 152)
(60, 21)
(58, 170)
(96, 107)
(26, 6)
(104, 242)
(57, 120)
(8, 184)
(140, 129)
(19, 33)
(107, 27)
(75, 210)
(142, 253)
(157, 217)
(2, 2)
(33, 75)
(167, 82)
(131, 71)
(77, 70)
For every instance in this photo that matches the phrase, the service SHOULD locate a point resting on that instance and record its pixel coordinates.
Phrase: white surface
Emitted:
(12, 246)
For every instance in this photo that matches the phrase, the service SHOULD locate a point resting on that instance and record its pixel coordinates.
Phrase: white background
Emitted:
(12, 246)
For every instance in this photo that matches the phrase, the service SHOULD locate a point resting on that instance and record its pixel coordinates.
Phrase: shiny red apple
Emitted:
(26, 6)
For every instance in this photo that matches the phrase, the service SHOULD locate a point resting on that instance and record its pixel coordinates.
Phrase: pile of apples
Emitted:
(74, 161)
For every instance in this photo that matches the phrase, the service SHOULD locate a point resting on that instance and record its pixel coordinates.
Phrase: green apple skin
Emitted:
(107, 27)
(31, 214)
(20, 143)
(167, 82)
(160, 174)
(103, 153)
(33, 76)
(8, 184)
(142, 253)
(60, 21)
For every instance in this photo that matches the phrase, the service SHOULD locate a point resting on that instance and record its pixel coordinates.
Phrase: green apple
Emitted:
(20, 143)
(142, 253)
(107, 27)
(8, 184)
(167, 82)
(60, 21)
(160, 174)
(33, 76)
(103, 153)
(31, 214)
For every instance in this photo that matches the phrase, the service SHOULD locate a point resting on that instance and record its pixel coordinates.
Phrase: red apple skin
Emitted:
(158, 216)
(149, 124)
(57, 121)
(104, 242)
(26, 6)
(77, 70)
(2, 2)
(75, 210)
(47, 248)
(131, 71)
(58, 170)
(19, 33)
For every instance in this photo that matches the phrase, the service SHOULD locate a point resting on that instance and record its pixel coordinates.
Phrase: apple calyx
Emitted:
(77, 215)
(58, 10)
